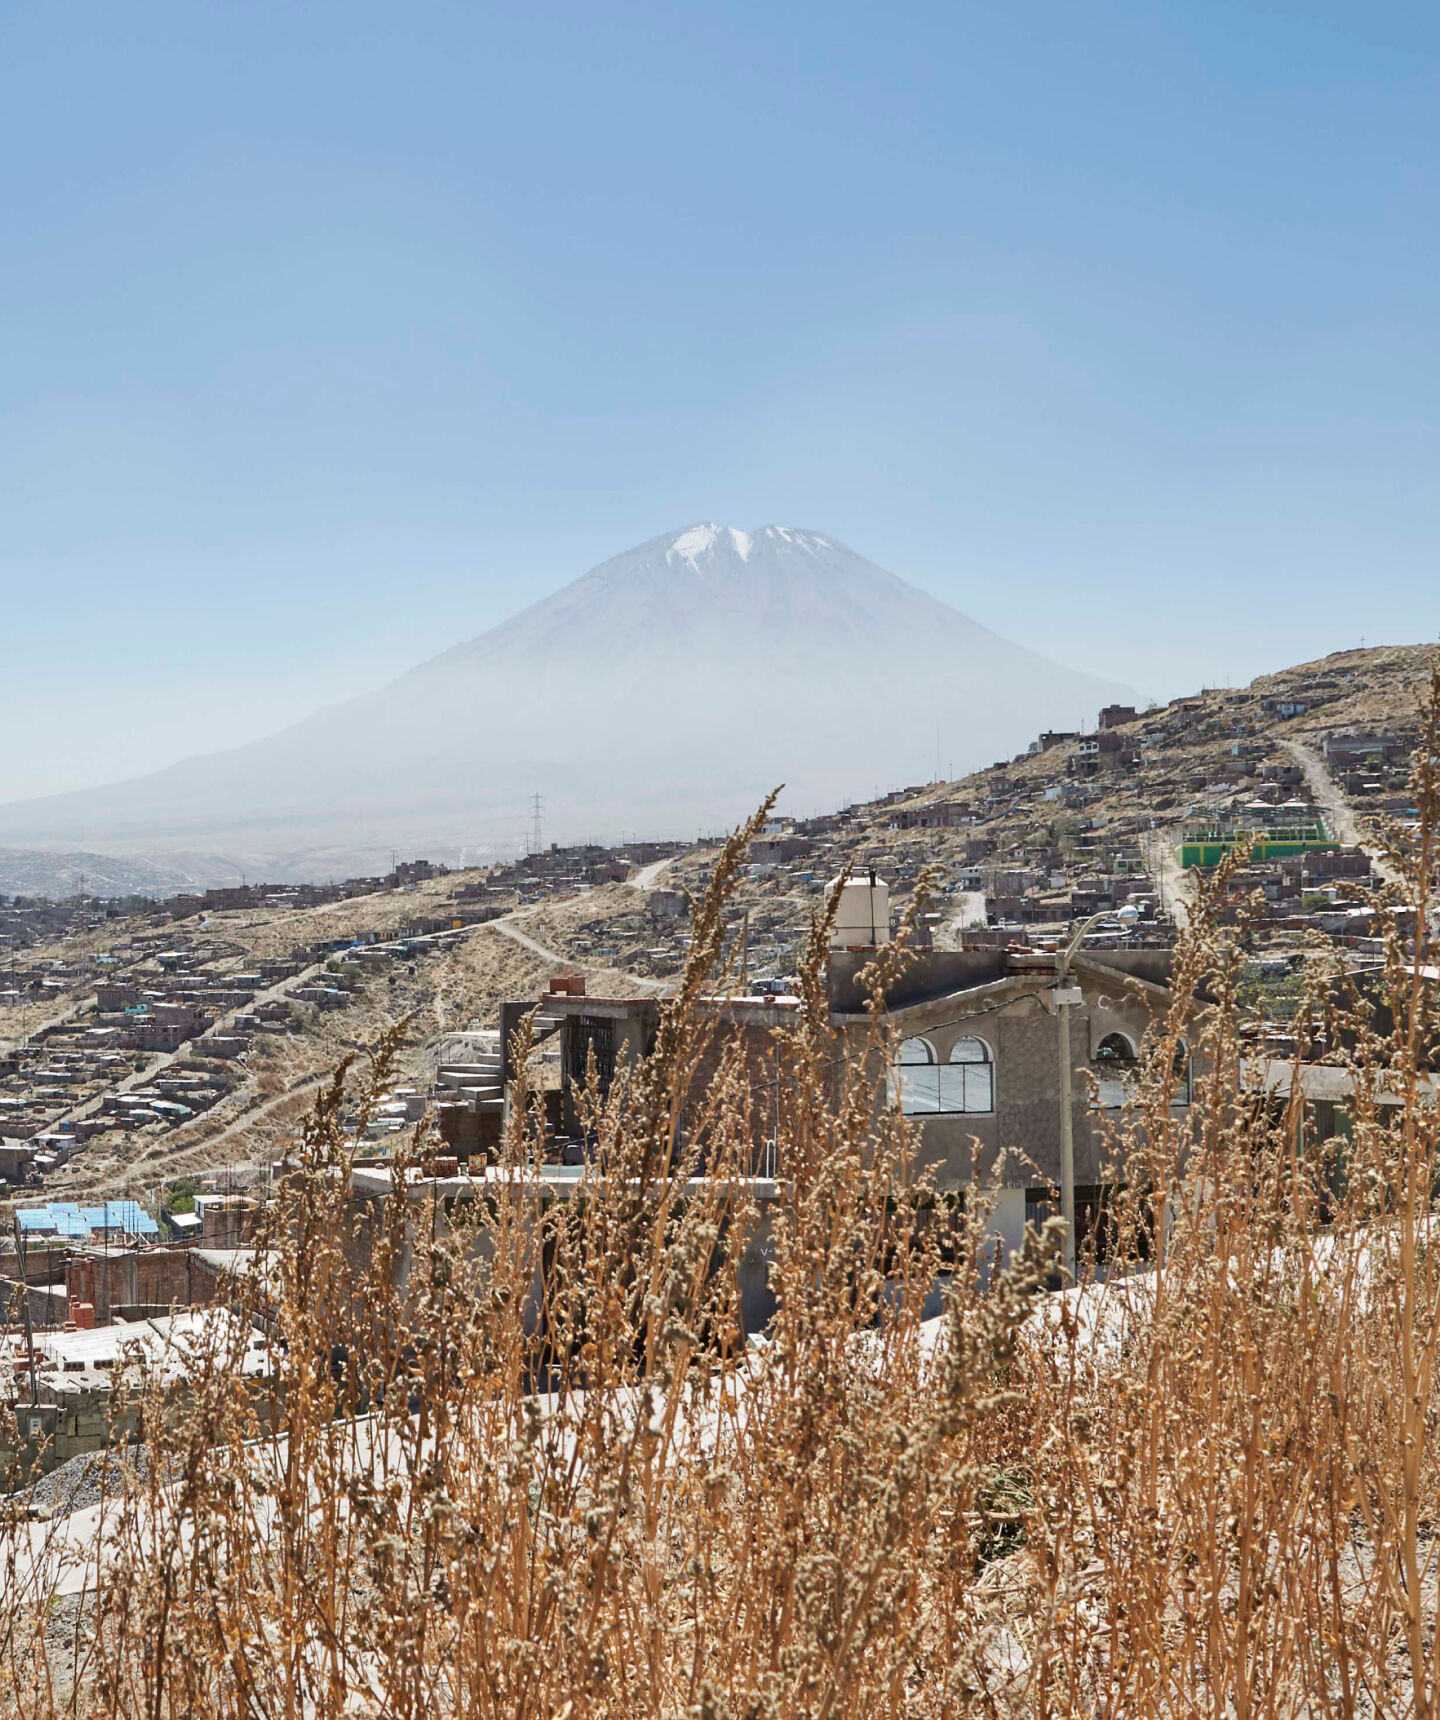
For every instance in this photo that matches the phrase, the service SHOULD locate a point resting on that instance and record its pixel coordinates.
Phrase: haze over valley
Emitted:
(666, 690)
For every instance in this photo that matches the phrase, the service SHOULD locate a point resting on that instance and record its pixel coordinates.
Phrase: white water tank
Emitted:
(864, 913)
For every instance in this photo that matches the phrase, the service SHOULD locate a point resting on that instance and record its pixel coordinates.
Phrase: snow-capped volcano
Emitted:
(732, 600)
(709, 539)
(668, 688)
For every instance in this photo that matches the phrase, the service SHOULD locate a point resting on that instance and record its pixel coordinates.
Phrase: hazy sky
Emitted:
(334, 333)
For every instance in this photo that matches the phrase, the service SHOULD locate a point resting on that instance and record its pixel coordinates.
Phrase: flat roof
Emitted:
(559, 1180)
(173, 1340)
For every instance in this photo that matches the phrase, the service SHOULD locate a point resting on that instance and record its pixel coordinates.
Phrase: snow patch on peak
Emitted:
(693, 544)
(811, 541)
(696, 541)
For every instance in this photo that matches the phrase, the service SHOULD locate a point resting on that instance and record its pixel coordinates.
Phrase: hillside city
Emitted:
(718, 892)
(165, 1062)
(156, 1055)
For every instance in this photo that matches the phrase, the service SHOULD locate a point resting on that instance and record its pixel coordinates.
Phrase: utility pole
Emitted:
(1065, 995)
(1067, 1122)
(537, 805)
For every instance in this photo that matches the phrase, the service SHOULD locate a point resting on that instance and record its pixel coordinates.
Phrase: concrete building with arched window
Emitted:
(976, 1064)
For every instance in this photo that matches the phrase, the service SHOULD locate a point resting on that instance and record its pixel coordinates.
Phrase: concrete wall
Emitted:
(75, 1415)
(49, 1304)
(1023, 1037)
(749, 1025)
(453, 1195)
(1007, 1222)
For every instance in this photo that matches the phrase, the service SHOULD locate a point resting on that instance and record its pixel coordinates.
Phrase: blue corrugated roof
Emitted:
(126, 1215)
(64, 1218)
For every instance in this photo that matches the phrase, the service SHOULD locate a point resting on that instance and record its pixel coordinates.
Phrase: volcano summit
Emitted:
(665, 690)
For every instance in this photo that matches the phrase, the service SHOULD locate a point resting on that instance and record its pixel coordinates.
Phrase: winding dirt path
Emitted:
(508, 928)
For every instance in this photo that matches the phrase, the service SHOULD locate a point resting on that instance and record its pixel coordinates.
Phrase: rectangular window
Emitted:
(945, 1089)
(967, 1087)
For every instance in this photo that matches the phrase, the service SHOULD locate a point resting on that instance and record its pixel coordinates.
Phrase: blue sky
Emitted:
(331, 334)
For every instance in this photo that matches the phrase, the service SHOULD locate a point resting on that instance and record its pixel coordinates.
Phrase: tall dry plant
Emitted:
(515, 1453)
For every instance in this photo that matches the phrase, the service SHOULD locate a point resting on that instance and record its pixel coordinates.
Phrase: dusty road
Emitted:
(1158, 848)
(969, 908)
(645, 878)
(508, 928)
(1326, 793)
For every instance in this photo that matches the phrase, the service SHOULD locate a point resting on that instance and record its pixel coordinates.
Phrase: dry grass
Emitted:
(518, 1458)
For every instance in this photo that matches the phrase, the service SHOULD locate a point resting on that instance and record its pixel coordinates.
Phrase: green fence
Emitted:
(1211, 849)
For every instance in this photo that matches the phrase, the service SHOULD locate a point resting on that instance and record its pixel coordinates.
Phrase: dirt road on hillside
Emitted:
(508, 928)
(645, 878)
(1158, 848)
(1326, 793)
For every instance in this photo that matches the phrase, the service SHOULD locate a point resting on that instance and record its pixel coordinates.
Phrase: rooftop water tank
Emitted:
(863, 917)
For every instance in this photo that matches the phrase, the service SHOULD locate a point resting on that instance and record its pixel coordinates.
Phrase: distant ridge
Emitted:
(666, 689)
(31, 872)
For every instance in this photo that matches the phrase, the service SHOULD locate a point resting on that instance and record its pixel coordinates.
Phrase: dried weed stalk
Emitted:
(516, 1454)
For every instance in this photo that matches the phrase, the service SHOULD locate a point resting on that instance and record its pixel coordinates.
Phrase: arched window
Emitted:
(926, 1087)
(1114, 1049)
(972, 1076)
(1115, 1059)
(915, 1078)
(1181, 1095)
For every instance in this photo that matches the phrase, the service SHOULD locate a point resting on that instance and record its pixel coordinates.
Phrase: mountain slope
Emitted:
(28, 872)
(667, 688)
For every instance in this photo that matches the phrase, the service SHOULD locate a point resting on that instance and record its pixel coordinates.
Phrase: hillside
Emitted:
(666, 689)
(33, 872)
(445, 964)
(1033, 813)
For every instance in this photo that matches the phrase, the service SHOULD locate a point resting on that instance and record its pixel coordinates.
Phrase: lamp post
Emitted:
(1064, 997)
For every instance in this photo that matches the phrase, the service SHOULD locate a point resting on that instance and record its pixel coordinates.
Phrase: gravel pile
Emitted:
(75, 1485)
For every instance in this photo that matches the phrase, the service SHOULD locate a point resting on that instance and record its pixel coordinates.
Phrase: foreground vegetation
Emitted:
(521, 1461)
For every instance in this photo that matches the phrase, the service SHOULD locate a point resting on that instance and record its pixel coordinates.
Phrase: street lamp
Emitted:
(1064, 997)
